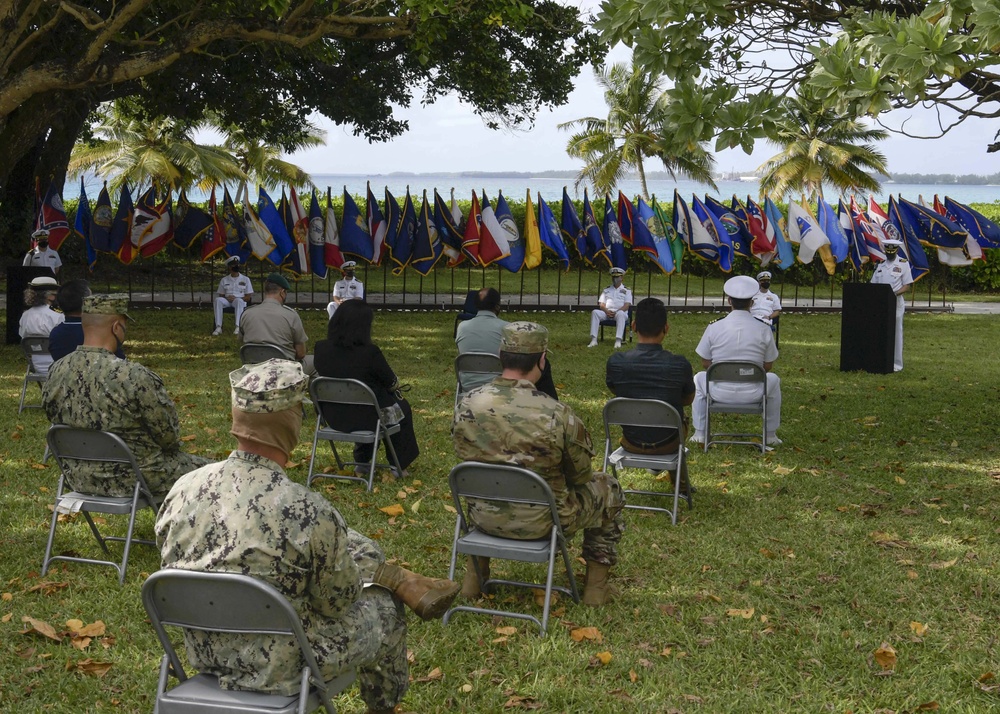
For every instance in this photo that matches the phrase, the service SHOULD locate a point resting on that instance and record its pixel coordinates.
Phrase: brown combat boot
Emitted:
(596, 590)
(429, 598)
(471, 585)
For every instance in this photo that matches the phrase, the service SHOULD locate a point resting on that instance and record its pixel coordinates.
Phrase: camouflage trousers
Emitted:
(594, 508)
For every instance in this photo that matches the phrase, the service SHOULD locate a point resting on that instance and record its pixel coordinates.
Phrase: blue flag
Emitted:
(190, 222)
(393, 215)
(857, 250)
(786, 256)
(448, 232)
(82, 224)
(317, 240)
(354, 237)
(272, 219)
(515, 242)
(104, 218)
(730, 225)
(402, 251)
(625, 212)
(933, 228)
(595, 252)
(572, 228)
(899, 227)
(121, 229)
(549, 233)
(985, 231)
(613, 236)
(237, 242)
(427, 248)
(647, 222)
(829, 221)
(743, 219)
(715, 232)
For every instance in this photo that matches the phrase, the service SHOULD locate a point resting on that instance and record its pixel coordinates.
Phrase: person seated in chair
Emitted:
(40, 319)
(347, 288)
(509, 421)
(738, 337)
(613, 304)
(272, 322)
(68, 335)
(244, 515)
(235, 291)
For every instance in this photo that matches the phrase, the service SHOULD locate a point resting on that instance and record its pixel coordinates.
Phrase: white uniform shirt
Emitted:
(613, 298)
(894, 273)
(352, 289)
(240, 286)
(739, 336)
(43, 259)
(764, 304)
(38, 321)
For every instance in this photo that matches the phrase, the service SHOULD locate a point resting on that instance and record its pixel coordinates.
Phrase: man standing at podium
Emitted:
(894, 271)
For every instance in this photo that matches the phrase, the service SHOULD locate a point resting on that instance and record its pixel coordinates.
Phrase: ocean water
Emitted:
(551, 189)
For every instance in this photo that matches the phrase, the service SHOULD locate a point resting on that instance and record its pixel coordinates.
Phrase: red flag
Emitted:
(160, 231)
(470, 241)
(331, 237)
(214, 239)
(764, 242)
(492, 240)
(300, 234)
(52, 217)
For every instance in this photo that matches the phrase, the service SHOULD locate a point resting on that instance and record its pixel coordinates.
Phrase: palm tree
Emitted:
(821, 146)
(632, 132)
(263, 164)
(129, 148)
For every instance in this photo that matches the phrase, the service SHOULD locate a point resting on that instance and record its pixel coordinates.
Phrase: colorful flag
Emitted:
(377, 226)
(82, 224)
(52, 217)
(676, 242)
(120, 236)
(143, 215)
(972, 251)
(572, 228)
(705, 248)
(448, 233)
(786, 256)
(829, 222)
(743, 219)
(646, 221)
(898, 228)
(235, 232)
(592, 248)
(160, 232)
(189, 222)
(332, 256)
(355, 240)
(427, 247)
(985, 231)
(765, 243)
(317, 242)
(299, 234)
(470, 237)
(804, 230)
(731, 233)
(868, 232)
(393, 216)
(857, 250)
(708, 230)
(514, 261)
(952, 241)
(265, 227)
(402, 248)
(625, 214)
(532, 237)
(613, 236)
(104, 218)
(549, 233)
(213, 240)
(493, 243)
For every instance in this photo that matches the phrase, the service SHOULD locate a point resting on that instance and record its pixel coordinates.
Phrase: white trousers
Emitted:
(621, 319)
(331, 308)
(897, 358)
(221, 303)
(736, 393)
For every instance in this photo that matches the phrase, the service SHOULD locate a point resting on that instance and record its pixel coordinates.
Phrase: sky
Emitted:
(448, 137)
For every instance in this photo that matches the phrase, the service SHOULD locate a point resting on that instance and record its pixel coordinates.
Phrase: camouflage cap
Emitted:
(116, 304)
(272, 386)
(524, 338)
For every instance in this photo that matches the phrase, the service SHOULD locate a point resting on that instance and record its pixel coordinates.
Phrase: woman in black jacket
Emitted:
(348, 353)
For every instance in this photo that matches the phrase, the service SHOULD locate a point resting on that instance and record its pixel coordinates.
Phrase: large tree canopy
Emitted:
(266, 65)
(732, 61)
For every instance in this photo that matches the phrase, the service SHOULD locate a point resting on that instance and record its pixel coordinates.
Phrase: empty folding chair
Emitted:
(33, 347)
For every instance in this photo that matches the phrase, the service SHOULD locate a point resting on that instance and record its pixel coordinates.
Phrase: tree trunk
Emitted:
(642, 177)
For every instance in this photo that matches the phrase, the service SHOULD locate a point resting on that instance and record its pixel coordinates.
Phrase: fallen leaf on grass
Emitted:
(6, 618)
(433, 676)
(539, 596)
(519, 702)
(632, 676)
(465, 688)
(666, 651)
(508, 630)
(602, 657)
(901, 481)
(888, 540)
(47, 587)
(450, 509)
(643, 662)
(886, 656)
(919, 628)
(7, 597)
(580, 634)
(90, 667)
(941, 565)
(40, 627)
(767, 553)
(94, 629)
(693, 698)
(985, 677)
(745, 614)
(783, 471)
(415, 506)
(393, 510)
(189, 437)
(928, 707)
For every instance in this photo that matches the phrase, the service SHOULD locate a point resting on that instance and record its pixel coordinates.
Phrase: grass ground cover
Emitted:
(874, 527)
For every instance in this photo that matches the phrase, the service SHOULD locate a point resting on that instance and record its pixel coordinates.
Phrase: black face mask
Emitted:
(765, 285)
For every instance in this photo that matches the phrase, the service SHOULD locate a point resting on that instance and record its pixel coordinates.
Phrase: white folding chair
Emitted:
(234, 604)
(507, 484)
(257, 352)
(350, 396)
(70, 445)
(623, 411)
(32, 347)
(744, 373)
(473, 364)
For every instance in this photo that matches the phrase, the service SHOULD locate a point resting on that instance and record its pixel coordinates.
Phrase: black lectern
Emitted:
(867, 328)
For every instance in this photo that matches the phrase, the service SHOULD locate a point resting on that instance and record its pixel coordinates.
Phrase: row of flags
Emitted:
(403, 235)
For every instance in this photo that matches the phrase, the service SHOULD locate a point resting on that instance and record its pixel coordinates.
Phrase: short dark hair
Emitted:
(70, 296)
(520, 362)
(650, 317)
(272, 288)
(740, 303)
(351, 324)
(488, 299)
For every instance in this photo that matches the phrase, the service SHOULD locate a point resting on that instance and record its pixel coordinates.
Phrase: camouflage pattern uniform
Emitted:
(244, 515)
(508, 421)
(92, 388)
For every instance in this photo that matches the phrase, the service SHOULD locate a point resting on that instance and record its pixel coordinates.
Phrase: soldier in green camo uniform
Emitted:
(508, 421)
(92, 388)
(244, 515)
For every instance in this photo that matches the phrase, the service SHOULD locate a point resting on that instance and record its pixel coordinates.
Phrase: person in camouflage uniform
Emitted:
(508, 421)
(244, 515)
(91, 388)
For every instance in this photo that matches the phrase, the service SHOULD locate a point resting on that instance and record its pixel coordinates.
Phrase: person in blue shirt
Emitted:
(67, 336)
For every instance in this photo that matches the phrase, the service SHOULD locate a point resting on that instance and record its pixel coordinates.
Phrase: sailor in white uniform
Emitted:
(894, 271)
(41, 255)
(739, 336)
(614, 303)
(347, 288)
(766, 305)
(235, 290)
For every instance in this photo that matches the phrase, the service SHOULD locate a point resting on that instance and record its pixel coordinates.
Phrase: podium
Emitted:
(867, 328)
(18, 278)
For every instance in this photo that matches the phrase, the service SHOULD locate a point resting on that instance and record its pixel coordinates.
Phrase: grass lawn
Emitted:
(874, 526)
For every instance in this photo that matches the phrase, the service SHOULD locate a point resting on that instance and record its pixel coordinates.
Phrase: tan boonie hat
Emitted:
(524, 338)
(742, 287)
(272, 386)
(116, 304)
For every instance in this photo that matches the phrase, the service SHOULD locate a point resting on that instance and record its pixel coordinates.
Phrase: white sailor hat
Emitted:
(43, 281)
(892, 241)
(617, 271)
(349, 265)
(742, 287)
(764, 275)
(233, 259)
(40, 233)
